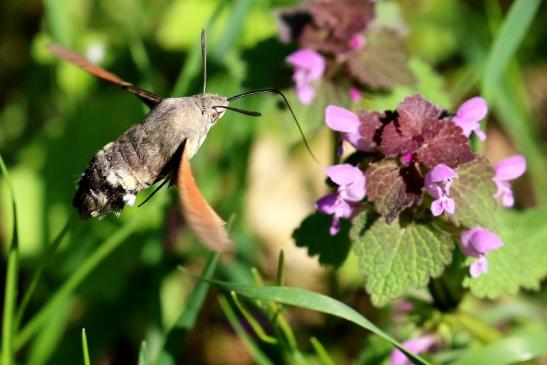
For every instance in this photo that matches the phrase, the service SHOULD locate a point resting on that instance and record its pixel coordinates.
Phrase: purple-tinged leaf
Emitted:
(392, 188)
(382, 64)
(418, 130)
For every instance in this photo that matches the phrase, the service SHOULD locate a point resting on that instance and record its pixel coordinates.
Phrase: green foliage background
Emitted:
(119, 279)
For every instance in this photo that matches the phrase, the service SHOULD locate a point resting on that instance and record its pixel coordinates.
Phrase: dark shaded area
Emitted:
(313, 234)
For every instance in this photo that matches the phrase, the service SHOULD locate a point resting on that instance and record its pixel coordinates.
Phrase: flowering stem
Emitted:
(442, 297)
(480, 330)
(447, 290)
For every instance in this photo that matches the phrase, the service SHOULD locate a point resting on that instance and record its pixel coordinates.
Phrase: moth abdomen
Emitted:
(115, 175)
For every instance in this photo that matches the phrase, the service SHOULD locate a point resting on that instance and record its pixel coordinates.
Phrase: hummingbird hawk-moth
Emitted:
(148, 152)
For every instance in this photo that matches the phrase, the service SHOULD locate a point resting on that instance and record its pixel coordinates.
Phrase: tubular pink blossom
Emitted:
(351, 190)
(477, 242)
(507, 170)
(355, 94)
(469, 114)
(437, 183)
(416, 345)
(341, 119)
(308, 66)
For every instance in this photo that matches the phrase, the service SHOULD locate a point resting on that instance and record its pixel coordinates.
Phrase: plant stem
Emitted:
(40, 270)
(76, 279)
(10, 293)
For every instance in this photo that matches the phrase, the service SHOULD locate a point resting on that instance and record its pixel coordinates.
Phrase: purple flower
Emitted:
(416, 345)
(469, 114)
(308, 67)
(351, 190)
(507, 170)
(437, 183)
(477, 242)
(345, 121)
(355, 94)
(357, 42)
(407, 158)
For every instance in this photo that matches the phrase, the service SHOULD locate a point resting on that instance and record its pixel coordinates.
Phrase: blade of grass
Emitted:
(58, 20)
(258, 356)
(514, 121)
(280, 278)
(68, 287)
(313, 301)
(510, 36)
(187, 319)
(233, 28)
(84, 348)
(257, 328)
(37, 275)
(47, 341)
(510, 350)
(321, 352)
(192, 66)
(10, 291)
(144, 355)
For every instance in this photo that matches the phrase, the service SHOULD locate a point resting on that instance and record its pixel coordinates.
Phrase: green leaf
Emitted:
(12, 273)
(144, 355)
(85, 348)
(254, 350)
(394, 257)
(313, 234)
(510, 36)
(84, 270)
(187, 319)
(313, 301)
(521, 262)
(383, 62)
(473, 192)
(516, 349)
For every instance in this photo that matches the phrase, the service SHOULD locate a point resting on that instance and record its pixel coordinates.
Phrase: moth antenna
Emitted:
(241, 111)
(204, 58)
(275, 91)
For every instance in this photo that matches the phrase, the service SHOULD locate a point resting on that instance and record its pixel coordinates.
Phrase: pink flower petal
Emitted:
(357, 41)
(309, 60)
(441, 172)
(472, 110)
(476, 242)
(510, 168)
(480, 266)
(305, 93)
(355, 191)
(341, 120)
(437, 207)
(326, 204)
(416, 345)
(355, 94)
(484, 241)
(508, 200)
(449, 205)
(344, 174)
(335, 226)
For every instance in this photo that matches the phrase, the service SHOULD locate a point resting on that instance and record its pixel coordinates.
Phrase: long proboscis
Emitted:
(275, 91)
(241, 111)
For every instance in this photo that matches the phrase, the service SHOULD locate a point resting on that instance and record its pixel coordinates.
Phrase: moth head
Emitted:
(213, 107)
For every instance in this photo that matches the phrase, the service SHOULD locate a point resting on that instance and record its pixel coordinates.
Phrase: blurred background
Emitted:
(254, 171)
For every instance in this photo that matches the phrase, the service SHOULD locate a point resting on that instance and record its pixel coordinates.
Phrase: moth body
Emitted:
(143, 154)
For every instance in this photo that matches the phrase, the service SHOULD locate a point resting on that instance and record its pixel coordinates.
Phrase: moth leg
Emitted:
(165, 181)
